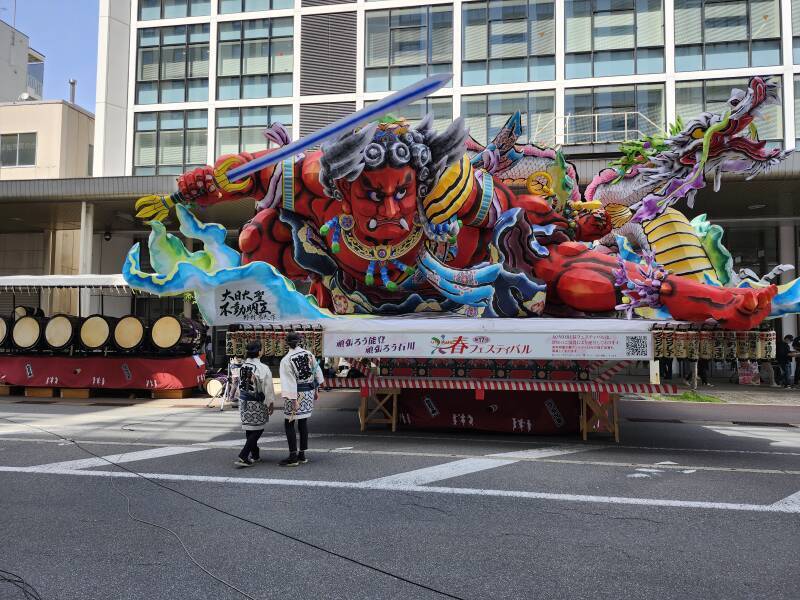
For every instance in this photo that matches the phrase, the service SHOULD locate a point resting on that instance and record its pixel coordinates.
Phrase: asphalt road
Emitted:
(678, 510)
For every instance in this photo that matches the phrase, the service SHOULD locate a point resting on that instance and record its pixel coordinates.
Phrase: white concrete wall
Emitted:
(113, 52)
(13, 63)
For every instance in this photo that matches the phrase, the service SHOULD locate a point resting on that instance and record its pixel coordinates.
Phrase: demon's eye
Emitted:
(735, 102)
(698, 134)
(375, 196)
(400, 193)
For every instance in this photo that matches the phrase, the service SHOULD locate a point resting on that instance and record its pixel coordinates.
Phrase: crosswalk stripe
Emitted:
(87, 463)
(470, 465)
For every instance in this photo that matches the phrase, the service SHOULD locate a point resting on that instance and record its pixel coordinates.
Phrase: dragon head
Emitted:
(717, 144)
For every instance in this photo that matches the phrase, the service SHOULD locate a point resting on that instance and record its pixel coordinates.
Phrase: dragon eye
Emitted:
(375, 196)
(400, 194)
(698, 134)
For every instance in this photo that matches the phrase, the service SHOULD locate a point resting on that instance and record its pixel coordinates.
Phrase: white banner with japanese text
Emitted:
(547, 346)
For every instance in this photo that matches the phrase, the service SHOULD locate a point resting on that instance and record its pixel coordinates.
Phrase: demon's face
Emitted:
(383, 203)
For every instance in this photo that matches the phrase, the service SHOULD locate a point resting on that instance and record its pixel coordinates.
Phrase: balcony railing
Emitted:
(596, 128)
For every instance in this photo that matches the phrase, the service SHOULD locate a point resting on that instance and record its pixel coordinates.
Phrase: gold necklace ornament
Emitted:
(380, 256)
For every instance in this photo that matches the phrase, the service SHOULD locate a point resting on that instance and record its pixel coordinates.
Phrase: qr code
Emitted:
(636, 345)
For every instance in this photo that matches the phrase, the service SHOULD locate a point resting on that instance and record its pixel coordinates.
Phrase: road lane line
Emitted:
(469, 465)
(423, 489)
(87, 463)
(239, 442)
(790, 502)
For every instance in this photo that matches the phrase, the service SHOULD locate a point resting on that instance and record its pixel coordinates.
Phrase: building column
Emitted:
(48, 268)
(787, 254)
(85, 253)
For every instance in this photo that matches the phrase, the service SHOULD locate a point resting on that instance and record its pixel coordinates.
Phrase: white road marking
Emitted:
(439, 472)
(649, 470)
(639, 476)
(470, 465)
(782, 437)
(778, 507)
(87, 463)
(790, 502)
(689, 471)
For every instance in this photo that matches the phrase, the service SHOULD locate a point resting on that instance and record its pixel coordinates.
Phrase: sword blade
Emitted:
(406, 96)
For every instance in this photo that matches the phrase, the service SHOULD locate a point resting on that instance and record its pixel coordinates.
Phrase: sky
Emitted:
(65, 31)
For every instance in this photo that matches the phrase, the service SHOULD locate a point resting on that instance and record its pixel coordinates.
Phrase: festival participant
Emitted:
(255, 391)
(300, 378)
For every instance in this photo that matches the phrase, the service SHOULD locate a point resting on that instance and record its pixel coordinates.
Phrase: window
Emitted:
(508, 41)
(613, 114)
(237, 6)
(170, 9)
(485, 114)
(614, 37)
(255, 59)
(442, 109)
(797, 109)
(18, 150)
(169, 142)
(241, 129)
(172, 64)
(407, 44)
(695, 97)
(726, 34)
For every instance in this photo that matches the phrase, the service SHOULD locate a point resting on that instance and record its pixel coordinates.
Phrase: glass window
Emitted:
(485, 114)
(695, 97)
(18, 150)
(242, 129)
(236, 6)
(255, 59)
(613, 114)
(172, 9)
(508, 41)
(169, 142)
(727, 34)
(619, 37)
(406, 44)
(172, 64)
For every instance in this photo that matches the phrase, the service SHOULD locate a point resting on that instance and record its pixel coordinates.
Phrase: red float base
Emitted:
(109, 372)
(538, 413)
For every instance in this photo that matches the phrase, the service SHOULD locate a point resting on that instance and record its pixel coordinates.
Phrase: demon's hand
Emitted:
(203, 185)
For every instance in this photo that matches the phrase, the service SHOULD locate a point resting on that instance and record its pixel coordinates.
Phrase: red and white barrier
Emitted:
(500, 384)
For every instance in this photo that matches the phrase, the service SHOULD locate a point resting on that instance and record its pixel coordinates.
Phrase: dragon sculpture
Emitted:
(394, 219)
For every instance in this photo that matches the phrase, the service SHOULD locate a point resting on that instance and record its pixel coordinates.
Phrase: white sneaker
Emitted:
(243, 463)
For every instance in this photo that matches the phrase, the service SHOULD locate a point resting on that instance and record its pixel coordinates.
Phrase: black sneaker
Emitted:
(301, 458)
(291, 461)
(243, 462)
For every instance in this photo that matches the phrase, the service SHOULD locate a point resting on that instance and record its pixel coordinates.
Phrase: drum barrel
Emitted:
(176, 335)
(129, 333)
(61, 331)
(28, 332)
(95, 332)
(5, 331)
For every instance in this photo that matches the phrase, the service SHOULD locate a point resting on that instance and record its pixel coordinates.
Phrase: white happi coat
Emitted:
(300, 378)
(255, 381)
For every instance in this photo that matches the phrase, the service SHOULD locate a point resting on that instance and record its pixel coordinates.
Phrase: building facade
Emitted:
(21, 67)
(42, 140)
(186, 80)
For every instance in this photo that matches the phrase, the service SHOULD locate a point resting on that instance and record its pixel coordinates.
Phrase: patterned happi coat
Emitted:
(300, 377)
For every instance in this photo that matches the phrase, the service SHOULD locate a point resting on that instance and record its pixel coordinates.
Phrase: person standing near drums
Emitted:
(301, 376)
(256, 402)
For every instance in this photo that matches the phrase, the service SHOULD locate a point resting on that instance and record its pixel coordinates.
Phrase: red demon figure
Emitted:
(358, 216)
